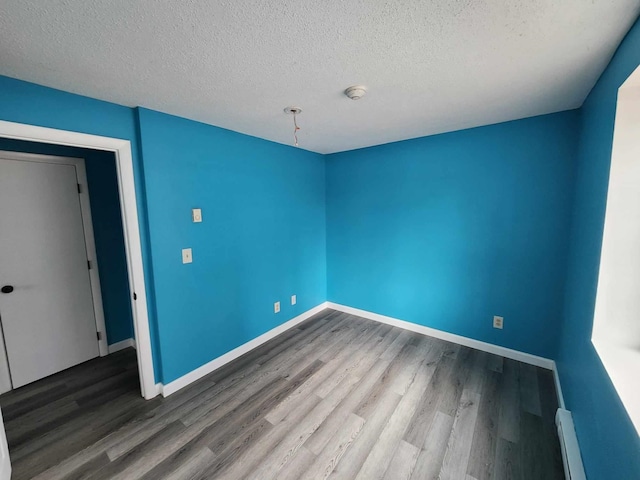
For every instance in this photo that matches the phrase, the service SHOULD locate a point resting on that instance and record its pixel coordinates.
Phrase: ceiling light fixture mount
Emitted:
(295, 111)
(356, 92)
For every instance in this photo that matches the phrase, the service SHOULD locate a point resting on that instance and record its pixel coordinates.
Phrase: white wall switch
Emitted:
(187, 256)
(196, 215)
(294, 299)
(276, 307)
(498, 322)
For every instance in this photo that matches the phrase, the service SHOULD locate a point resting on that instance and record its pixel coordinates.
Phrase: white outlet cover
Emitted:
(196, 215)
(276, 307)
(294, 299)
(498, 322)
(187, 255)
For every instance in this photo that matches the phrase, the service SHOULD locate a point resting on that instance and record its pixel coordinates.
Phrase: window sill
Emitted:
(623, 366)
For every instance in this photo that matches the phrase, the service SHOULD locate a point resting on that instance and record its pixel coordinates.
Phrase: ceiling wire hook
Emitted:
(295, 111)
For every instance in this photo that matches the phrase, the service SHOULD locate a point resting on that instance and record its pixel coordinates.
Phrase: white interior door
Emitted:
(47, 311)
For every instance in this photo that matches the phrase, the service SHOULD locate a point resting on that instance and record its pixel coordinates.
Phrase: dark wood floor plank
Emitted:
(548, 407)
(507, 463)
(336, 396)
(529, 393)
(509, 426)
(89, 468)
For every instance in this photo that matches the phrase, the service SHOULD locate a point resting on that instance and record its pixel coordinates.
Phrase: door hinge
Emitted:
(79, 188)
(99, 335)
(135, 296)
(89, 264)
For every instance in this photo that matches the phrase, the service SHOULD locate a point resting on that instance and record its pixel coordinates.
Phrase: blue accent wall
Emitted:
(262, 238)
(447, 231)
(609, 443)
(107, 229)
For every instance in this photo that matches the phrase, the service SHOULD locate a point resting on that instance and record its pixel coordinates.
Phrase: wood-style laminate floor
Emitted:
(337, 397)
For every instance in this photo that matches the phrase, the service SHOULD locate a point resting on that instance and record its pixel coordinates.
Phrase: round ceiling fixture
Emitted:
(293, 110)
(355, 92)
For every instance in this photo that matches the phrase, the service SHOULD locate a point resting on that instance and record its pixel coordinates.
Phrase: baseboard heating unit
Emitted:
(573, 467)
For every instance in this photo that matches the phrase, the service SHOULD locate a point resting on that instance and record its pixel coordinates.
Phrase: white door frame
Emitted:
(129, 209)
(87, 227)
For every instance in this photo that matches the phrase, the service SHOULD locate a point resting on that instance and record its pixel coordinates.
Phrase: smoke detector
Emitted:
(356, 92)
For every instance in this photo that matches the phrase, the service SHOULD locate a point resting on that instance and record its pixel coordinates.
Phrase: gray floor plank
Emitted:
(485, 435)
(507, 464)
(354, 457)
(382, 452)
(337, 396)
(403, 462)
(427, 408)
(329, 457)
(509, 428)
(529, 393)
(434, 447)
(456, 457)
(298, 467)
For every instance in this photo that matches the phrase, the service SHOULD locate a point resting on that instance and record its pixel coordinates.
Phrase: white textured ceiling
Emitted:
(431, 66)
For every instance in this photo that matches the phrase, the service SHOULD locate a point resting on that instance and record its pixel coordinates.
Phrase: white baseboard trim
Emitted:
(216, 363)
(450, 337)
(116, 347)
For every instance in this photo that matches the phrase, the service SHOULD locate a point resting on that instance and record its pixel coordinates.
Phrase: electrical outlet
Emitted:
(196, 215)
(187, 256)
(276, 307)
(498, 322)
(294, 299)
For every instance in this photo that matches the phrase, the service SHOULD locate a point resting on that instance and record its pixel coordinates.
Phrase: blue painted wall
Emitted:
(262, 238)
(449, 230)
(107, 229)
(609, 443)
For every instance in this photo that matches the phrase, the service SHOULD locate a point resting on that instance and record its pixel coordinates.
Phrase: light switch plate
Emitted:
(187, 256)
(196, 215)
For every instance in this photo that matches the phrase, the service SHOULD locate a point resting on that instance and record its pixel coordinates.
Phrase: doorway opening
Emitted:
(61, 221)
(120, 151)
